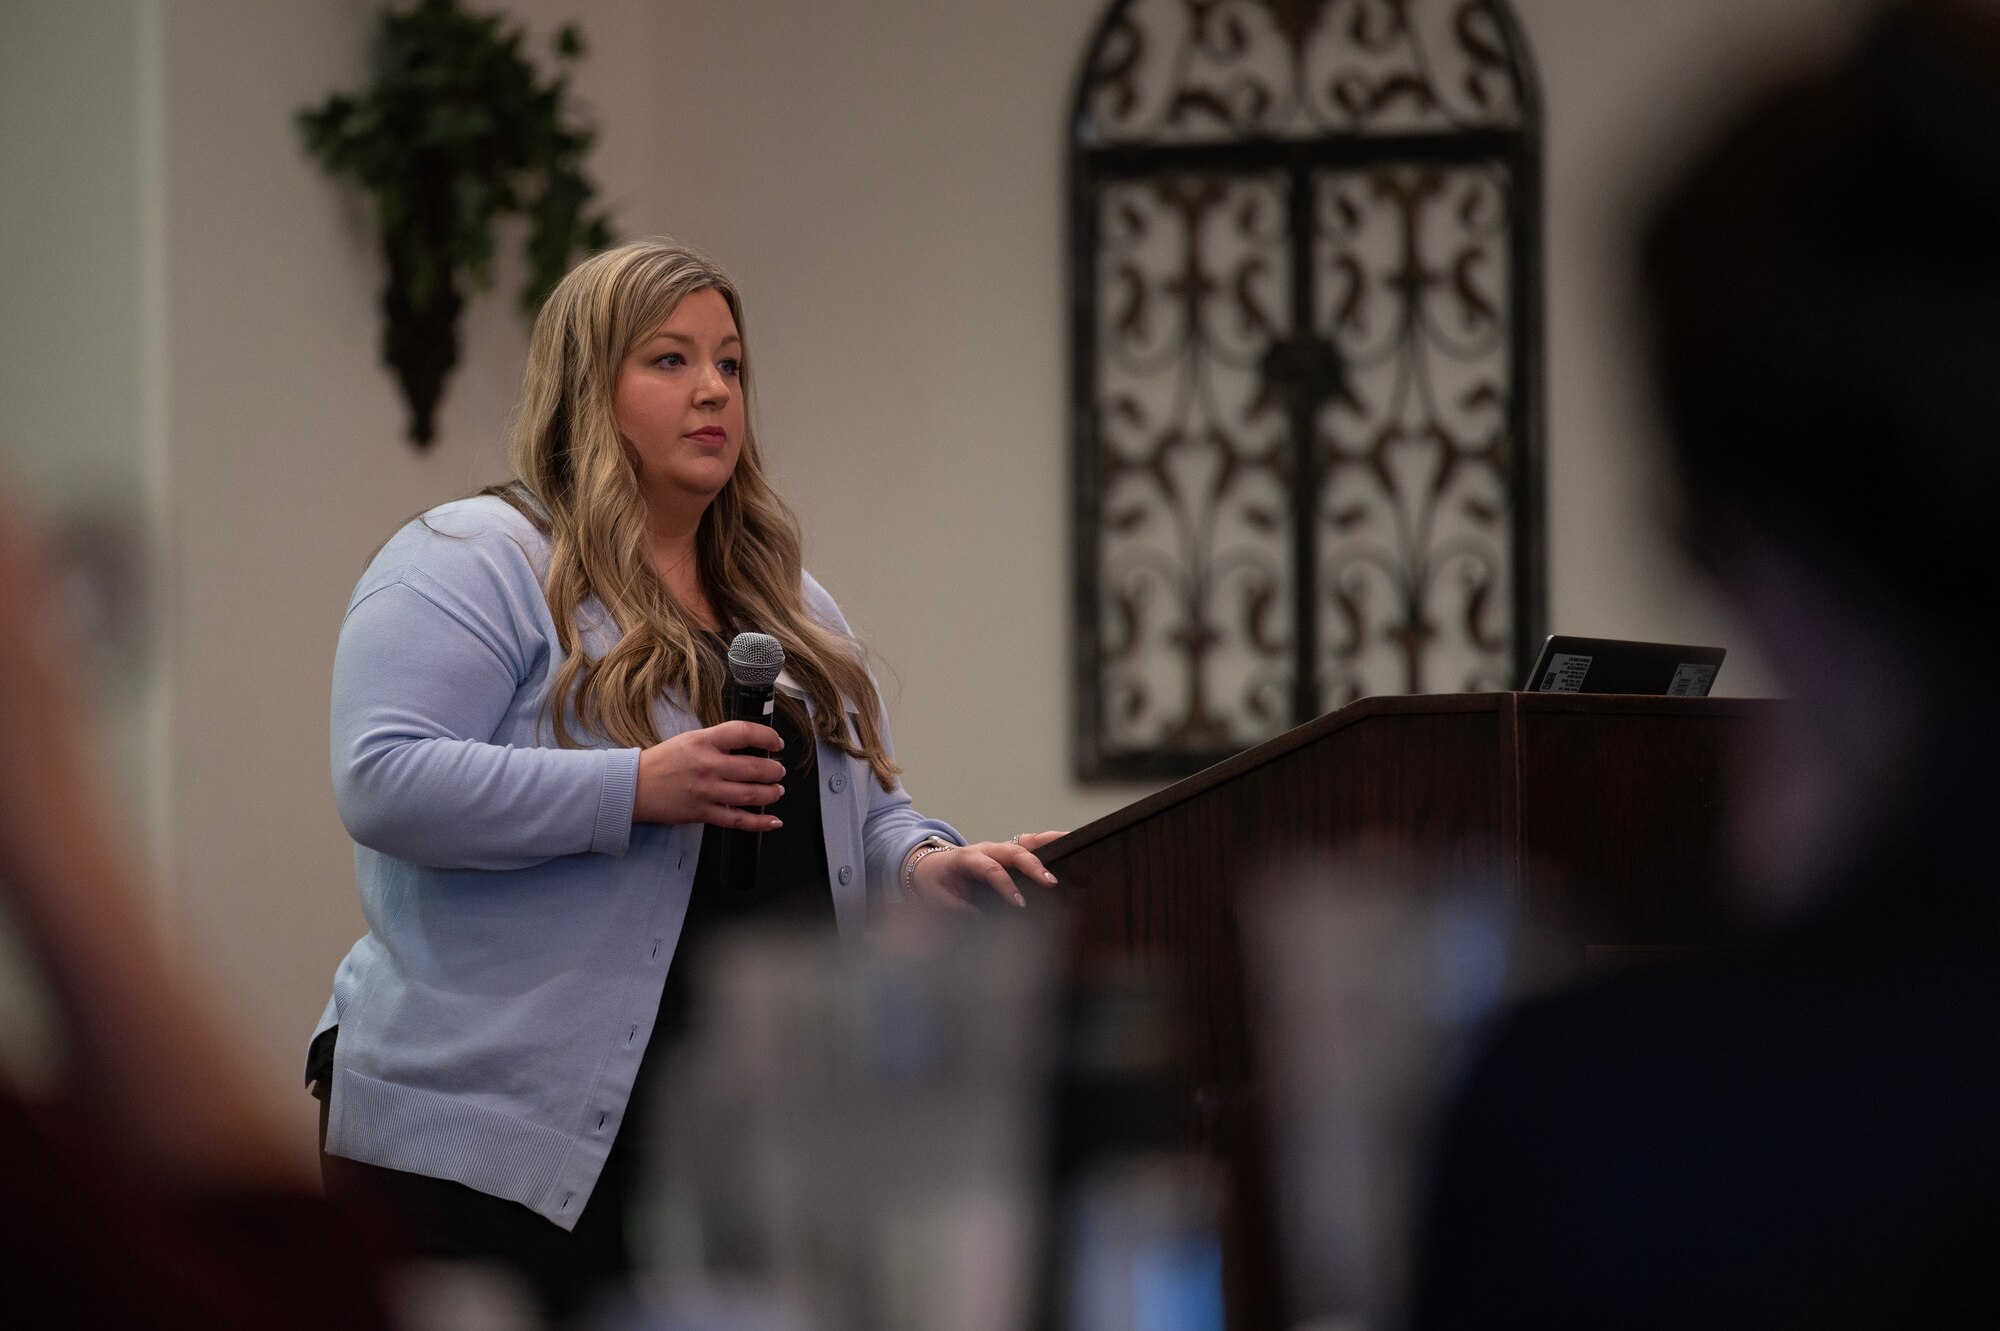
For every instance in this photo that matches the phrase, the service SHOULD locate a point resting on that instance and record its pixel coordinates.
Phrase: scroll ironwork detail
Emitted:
(1307, 366)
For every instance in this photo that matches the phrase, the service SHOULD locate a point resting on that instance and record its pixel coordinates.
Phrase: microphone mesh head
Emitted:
(755, 660)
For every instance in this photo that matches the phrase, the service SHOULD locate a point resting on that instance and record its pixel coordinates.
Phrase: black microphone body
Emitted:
(754, 662)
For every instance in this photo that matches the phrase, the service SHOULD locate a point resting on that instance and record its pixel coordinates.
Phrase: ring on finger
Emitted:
(1016, 838)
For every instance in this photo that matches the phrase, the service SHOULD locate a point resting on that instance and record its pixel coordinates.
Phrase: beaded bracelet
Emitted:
(928, 846)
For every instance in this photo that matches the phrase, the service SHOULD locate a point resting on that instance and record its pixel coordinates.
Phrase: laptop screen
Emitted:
(1609, 665)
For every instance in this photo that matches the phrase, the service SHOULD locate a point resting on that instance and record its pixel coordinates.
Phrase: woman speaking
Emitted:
(529, 749)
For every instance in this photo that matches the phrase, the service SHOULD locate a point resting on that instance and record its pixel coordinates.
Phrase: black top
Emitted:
(791, 888)
(791, 885)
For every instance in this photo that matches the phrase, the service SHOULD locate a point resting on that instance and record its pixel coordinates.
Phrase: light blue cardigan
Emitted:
(520, 925)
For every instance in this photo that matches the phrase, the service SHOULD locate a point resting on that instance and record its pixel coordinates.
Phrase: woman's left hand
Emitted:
(948, 879)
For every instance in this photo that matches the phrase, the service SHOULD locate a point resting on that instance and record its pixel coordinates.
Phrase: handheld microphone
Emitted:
(754, 662)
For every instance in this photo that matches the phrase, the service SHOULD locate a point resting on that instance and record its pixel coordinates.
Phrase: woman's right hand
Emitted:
(695, 777)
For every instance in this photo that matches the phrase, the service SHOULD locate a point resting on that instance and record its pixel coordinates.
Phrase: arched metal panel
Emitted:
(1306, 330)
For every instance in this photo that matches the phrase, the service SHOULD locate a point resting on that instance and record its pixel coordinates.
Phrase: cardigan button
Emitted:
(838, 781)
(846, 874)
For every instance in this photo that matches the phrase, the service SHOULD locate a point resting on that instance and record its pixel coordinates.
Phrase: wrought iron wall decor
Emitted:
(1306, 330)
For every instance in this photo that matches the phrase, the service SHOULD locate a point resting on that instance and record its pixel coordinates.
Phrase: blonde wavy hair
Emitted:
(578, 485)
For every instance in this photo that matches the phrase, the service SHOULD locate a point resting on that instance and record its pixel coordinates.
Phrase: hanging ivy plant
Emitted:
(455, 129)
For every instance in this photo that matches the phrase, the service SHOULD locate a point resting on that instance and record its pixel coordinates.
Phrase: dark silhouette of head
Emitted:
(1825, 292)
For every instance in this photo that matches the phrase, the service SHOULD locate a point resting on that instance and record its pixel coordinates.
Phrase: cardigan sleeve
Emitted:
(892, 827)
(420, 683)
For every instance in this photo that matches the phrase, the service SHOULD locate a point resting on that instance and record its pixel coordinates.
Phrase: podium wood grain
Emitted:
(1600, 813)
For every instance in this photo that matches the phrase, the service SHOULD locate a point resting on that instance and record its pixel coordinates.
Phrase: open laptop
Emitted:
(1607, 665)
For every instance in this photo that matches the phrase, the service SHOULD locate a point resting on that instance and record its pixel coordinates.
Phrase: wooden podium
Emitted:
(1601, 812)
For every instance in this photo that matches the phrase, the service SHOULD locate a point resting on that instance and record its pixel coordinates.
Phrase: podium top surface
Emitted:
(1506, 708)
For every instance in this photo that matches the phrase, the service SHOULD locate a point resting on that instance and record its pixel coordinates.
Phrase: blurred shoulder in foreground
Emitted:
(146, 1185)
(1800, 1133)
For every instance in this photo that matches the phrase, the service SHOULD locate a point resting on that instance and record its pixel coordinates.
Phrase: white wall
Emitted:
(74, 307)
(288, 467)
(1629, 87)
(886, 182)
(884, 178)
(70, 251)
(72, 314)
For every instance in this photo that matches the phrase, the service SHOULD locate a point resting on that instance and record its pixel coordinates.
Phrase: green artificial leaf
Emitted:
(454, 130)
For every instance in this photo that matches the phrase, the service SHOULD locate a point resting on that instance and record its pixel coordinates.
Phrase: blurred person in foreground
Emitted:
(146, 1187)
(531, 754)
(1805, 1132)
